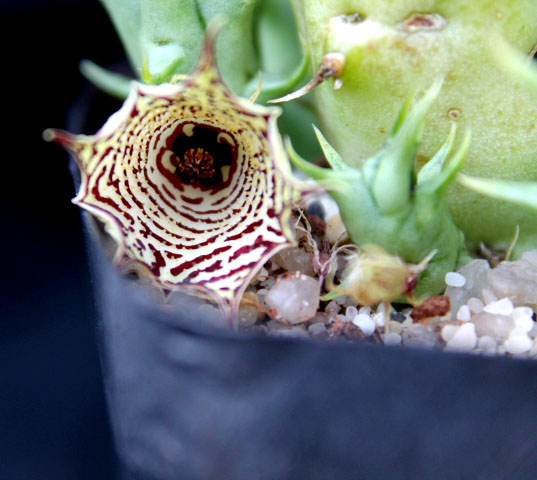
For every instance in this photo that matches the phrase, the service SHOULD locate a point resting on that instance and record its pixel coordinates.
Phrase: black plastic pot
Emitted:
(189, 400)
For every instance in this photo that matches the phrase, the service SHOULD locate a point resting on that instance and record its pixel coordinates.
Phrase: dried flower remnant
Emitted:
(373, 276)
(192, 183)
(331, 66)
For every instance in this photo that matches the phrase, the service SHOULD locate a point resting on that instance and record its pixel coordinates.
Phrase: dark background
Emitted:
(53, 419)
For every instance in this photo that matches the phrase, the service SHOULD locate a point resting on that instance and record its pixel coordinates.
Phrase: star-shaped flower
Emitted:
(191, 181)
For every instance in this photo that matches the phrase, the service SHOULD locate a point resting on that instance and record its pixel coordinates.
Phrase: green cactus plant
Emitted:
(393, 47)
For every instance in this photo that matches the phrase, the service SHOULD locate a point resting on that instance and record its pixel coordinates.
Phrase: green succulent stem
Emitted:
(387, 204)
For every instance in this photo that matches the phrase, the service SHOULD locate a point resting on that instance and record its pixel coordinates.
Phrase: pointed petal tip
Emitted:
(62, 137)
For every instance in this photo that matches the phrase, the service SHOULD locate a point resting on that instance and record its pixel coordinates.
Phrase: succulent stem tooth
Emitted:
(521, 193)
(332, 157)
(434, 166)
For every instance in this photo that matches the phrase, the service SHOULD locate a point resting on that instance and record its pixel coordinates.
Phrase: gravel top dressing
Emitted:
(484, 310)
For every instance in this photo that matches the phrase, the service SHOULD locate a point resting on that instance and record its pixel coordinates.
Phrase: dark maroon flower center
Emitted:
(201, 156)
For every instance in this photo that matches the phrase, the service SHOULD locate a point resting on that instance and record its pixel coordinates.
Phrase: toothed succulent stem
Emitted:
(385, 203)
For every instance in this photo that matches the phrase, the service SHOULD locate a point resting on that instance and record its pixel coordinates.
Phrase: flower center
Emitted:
(197, 165)
(203, 154)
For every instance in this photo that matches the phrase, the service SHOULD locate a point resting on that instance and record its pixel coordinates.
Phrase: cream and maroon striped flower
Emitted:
(191, 181)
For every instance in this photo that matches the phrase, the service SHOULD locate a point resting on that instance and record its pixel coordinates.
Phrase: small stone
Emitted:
(268, 282)
(320, 317)
(516, 280)
(295, 298)
(365, 323)
(454, 279)
(365, 310)
(420, 335)
(316, 208)
(335, 229)
(448, 332)
(379, 319)
(522, 312)
(476, 279)
(487, 345)
(350, 313)
(518, 343)
(352, 332)
(488, 296)
(332, 307)
(317, 328)
(475, 305)
(523, 317)
(248, 312)
(437, 306)
(464, 314)
(501, 307)
(295, 259)
(398, 317)
(464, 340)
(392, 338)
(495, 326)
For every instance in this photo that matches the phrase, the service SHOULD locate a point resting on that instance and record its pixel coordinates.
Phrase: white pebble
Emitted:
(500, 307)
(365, 310)
(464, 340)
(380, 319)
(475, 305)
(448, 332)
(518, 343)
(392, 338)
(487, 345)
(523, 323)
(464, 314)
(350, 313)
(454, 279)
(316, 328)
(365, 323)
